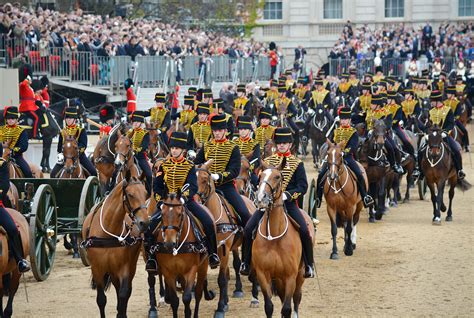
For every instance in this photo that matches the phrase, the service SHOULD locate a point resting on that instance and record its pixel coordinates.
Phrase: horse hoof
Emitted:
(443, 208)
(406, 200)
(219, 314)
(393, 204)
(436, 221)
(378, 216)
(76, 255)
(334, 256)
(371, 219)
(161, 302)
(353, 246)
(210, 295)
(226, 307)
(254, 303)
(153, 313)
(238, 294)
(449, 218)
(348, 251)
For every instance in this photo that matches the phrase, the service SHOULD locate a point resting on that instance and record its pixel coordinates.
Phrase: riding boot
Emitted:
(17, 251)
(458, 164)
(366, 198)
(319, 195)
(246, 256)
(149, 241)
(308, 258)
(214, 260)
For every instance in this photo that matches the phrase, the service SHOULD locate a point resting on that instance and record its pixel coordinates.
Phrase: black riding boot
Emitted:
(214, 260)
(308, 258)
(367, 199)
(247, 241)
(151, 265)
(17, 251)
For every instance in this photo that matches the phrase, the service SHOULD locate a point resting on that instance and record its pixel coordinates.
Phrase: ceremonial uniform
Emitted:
(397, 117)
(199, 132)
(140, 142)
(248, 146)
(186, 116)
(226, 165)
(28, 105)
(282, 105)
(294, 185)
(106, 116)
(80, 135)
(17, 138)
(242, 102)
(160, 117)
(457, 110)
(219, 103)
(131, 98)
(411, 109)
(264, 132)
(44, 92)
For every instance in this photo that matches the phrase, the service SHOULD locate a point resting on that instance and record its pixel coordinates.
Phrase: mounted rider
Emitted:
(177, 173)
(73, 129)
(242, 103)
(411, 109)
(347, 136)
(28, 105)
(284, 105)
(160, 116)
(140, 141)
(219, 104)
(319, 97)
(6, 221)
(199, 132)
(442, 116)
(456, 107)
(107, 118)
(265, 131)
(397, 122)
(248, 145)
(186, 116)
(294, 185)
(15, 137)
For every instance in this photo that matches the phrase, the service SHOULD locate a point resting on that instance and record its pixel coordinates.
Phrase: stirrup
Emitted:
(151, 266)
(214, 261)
(318, 202)
(368, 201)
(461, 174)
(309, 271)
(23, 266)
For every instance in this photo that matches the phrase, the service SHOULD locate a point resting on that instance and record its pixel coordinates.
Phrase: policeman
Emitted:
(397, 122)
(174, 174)
(346, 135)
(160, 117)
(15, 137)
(295, 184)
(73, 129)
(6, 221)
(265, 131)
(442, 116)
(456, 107)
(248, 146)
(225, 166)
(200, 131)
(140, 142)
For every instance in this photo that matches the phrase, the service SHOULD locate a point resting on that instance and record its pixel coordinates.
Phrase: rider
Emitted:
(442, 116)
(283, 102)
(131, 98)
(28, 105)
(378, 74)
(302, 92)
(16, 138)
(208, 98)
(456, 107)
(353, 79)
(225, 166)
(73, 129)
(248, 145)
(265, 131)
(219, 103)
(6, 221)
(140, 142)
(397, 123)
(411, 108)
(346, 135)
(242, 102)
(319, 96)
(344, 87)
(160, 116)
(200, 131)
(44, 91)
(187, 115)
(106, 116)
(461, 90)
(294, 185)
(175, 173)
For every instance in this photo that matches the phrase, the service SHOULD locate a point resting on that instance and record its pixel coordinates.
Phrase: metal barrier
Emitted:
(151, 70)
(190, 70)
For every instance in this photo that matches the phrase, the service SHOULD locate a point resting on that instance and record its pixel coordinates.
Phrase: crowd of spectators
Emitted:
(400, 41)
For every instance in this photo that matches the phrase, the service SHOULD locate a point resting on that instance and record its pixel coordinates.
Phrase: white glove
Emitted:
(401, 123)
(192, 154)
(28, 77)
(60, 158)
(320, 110)
(337, 119)
(285, 196)
(310, 112)
(444, 135)
(182, 200)
(274, 117)
(215, 176)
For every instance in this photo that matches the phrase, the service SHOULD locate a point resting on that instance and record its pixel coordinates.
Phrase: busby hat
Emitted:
(272, 46)
(192, 90)
(244, 122)
(106, 112)
(443, 73)
(265, 113)
(377, 100)
(189, 100)
(321, 72)
(71, 112)
(11, 112)
(345, 113)
(391, 94)
(160, 97)
(218, 122)
(139, 116)
(283, 135)
(241, 88)
(44, 81)
(178, 139)
(369, 74)
(366, 85)
(436, 96)
(459, 78)
(203, 108)
(36, 85)
(301, 80)
(218, 102)
(288, 72)
(318, 81)
(353, 71)
(451, 89)
(378, 69)
(128, 83)
(281, 88)
(407, 91)
(207, 93)
(390, 81)
(344, 75)
(382, 83)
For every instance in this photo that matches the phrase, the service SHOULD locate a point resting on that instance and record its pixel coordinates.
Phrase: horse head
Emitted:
(377, 137)
(123, 150)
(173, 215)
(204, 181)
(71, 154)
(134, 199)
(435, 140)
(244, 175)
(271, 185)
(334, 160)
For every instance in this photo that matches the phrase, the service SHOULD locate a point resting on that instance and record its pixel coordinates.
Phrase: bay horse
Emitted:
(243, 182)
(180, 257)
(276, 250)
(14, 170)
(229, 235)
(8, 266)
(317, 130)
(343, 199)
(111, 234)
(438, 167)
(72, 167)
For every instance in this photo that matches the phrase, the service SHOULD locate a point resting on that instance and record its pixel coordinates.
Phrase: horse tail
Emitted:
(463, 185)
(106, 280)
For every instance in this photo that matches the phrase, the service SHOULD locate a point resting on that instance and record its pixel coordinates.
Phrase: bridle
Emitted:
(204, 196)
(273, 191)
(126, 201)
(179, 228)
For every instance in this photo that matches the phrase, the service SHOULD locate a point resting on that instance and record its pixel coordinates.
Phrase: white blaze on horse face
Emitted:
(261, 190)
(333, 167)
(434, 133)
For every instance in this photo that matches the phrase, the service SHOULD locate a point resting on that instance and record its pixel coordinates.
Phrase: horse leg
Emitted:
(334, 254)
(407, 192)
(47, 141)
(254, 303)
(381, 200)
(152, 312)
(171, 296)
(123, 293)
(238, 292)
(290, 285)
(12, 288)
(439, 201)
(75, 246)
(434, 202)
(161, 302)
(266, 286)
(199, 289)
(297, 295)
(187, 291)
(348, 250)
(223, 282)
(101, 300)
(452, 186)
(372, 191)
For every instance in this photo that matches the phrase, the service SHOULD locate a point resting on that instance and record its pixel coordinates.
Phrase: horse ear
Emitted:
(329, 142)
(264, 165)
(207, 164)
(340, 144)
(282, 164)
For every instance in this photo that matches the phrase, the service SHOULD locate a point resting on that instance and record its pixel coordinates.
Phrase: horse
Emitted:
(13, 170)
(276, 250)
(180, 257)
(408, 164)
(243, 182)
(372, 157)
(8, 266)
(317, 130)
(72, 167)
(124, 161)
(157, 148)
(343, 199)
(111, 234)
(438, 167)
(228, 235)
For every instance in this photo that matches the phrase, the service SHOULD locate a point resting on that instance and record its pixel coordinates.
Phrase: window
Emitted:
(466, 8)
(332, 9)
(394, 8)
(273, 10)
